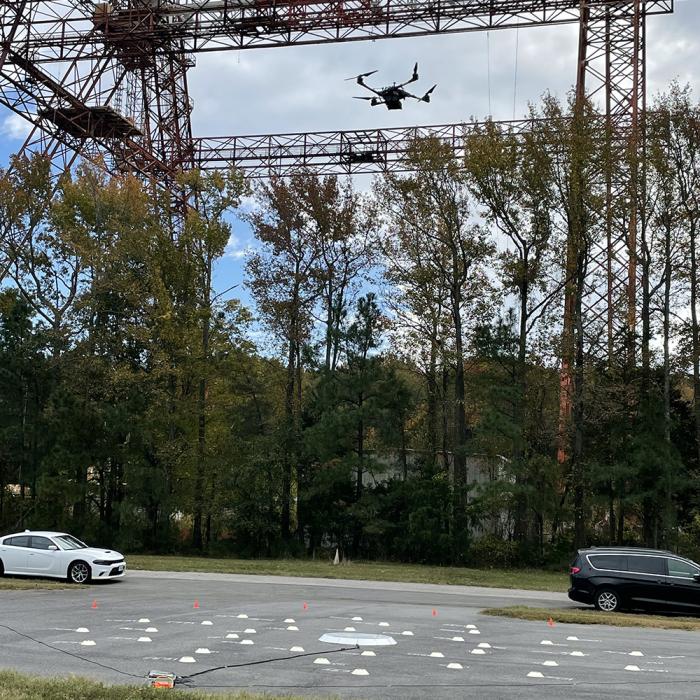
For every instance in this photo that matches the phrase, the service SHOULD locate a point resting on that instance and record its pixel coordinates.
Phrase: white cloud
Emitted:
(15, 127)
(235, 249)
(303, 88)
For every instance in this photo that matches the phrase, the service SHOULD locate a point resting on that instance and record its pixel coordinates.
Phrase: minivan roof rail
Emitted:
(621, 548)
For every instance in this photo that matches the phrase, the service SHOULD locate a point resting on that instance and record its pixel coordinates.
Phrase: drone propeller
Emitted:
(415, 72)
(373, 101)
(361, 76)
(426, 97)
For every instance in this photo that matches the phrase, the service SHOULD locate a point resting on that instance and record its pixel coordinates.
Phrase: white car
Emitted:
(59, 555)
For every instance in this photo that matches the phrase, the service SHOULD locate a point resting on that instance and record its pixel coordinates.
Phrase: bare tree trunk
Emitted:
(695, 331)
(521, 505)
(460, 419)
(432, 407)
(667, 333)
(200, 478)
(285, 522)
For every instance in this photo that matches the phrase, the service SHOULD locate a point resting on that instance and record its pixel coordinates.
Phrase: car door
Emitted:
(14, 554)
(684, 589)
(648, 581)
(41, 559)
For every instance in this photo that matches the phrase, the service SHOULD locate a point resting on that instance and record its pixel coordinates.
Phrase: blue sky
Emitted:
(303, 88)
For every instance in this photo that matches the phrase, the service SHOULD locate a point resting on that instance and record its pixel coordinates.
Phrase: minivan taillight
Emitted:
(575, 569)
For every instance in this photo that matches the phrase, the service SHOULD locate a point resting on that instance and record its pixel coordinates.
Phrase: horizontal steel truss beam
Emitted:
(331, 152)
(59, 29)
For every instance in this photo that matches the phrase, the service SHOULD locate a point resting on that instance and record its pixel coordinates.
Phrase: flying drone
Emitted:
(393, 95)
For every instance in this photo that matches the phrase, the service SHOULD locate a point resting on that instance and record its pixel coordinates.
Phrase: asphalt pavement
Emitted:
(443, 647)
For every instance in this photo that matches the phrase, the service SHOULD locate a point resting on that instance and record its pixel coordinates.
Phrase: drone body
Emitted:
(394, 95)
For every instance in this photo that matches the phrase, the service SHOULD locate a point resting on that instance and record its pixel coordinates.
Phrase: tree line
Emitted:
(400, 344)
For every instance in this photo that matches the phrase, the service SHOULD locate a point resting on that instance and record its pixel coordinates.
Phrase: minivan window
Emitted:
(609, 562)
(681, 568)
(646, 565)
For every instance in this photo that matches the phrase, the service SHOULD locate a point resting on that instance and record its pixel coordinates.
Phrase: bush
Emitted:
(493, 552)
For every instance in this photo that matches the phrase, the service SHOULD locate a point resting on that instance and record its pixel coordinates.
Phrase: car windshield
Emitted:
(69, 542)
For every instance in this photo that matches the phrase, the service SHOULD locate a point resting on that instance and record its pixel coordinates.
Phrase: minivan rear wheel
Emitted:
(607, 600)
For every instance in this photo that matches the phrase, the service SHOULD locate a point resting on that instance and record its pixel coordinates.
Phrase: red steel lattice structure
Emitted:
(108, 82)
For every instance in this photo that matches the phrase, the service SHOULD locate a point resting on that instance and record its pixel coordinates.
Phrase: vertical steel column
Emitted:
(614, 74)
(610, 70)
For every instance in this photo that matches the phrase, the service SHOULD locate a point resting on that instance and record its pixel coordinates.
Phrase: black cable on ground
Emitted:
(70, 653)
(188, 679)
(179, 679)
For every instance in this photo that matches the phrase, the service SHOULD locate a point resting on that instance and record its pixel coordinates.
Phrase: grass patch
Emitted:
(531, 579)
(15, 686)
(30, 584)
(596, 617)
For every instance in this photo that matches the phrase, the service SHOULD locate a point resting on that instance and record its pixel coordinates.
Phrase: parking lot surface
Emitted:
(444, 648)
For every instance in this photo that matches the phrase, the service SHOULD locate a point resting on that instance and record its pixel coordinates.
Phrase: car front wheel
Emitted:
(607, 600)
(79, 572)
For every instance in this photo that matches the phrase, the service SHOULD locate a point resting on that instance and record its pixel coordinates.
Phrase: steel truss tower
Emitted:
(108, 82)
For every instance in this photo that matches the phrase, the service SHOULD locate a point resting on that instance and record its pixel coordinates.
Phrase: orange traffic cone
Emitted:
(94, 605)
(434, 612)
(196, 604)
(306, 606)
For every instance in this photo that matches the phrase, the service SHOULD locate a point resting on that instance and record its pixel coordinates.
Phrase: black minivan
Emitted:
(619, 578)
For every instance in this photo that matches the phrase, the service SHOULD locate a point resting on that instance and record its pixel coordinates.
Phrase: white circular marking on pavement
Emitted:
(367, 652)
(535, 674)
(247, 642)
(250, 630)
(550, 663)
(82, 630)
(383, 624)
(632, 667)
(484, 645)
(322, 661)
(143, 619)
(144, 639)
(547, 642)
(202, 650)
(636, 653)
(360, 672)
(298, 649)
(468, 627)
(572, 639)
(360, 639)
(151, 629)
(289, 621)
(407, 633)
(357, 619)
(349, 629)
(577, 653)
(231, 635)
(242, 616)
(187, 660)
(209, 623)
(437, 655)
(478, 651)
(87, 643)
(455, 665)
(457, 639)
(292, 628)
(474, 632)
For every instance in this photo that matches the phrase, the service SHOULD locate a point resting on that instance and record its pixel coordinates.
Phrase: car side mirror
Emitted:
(53, 548)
